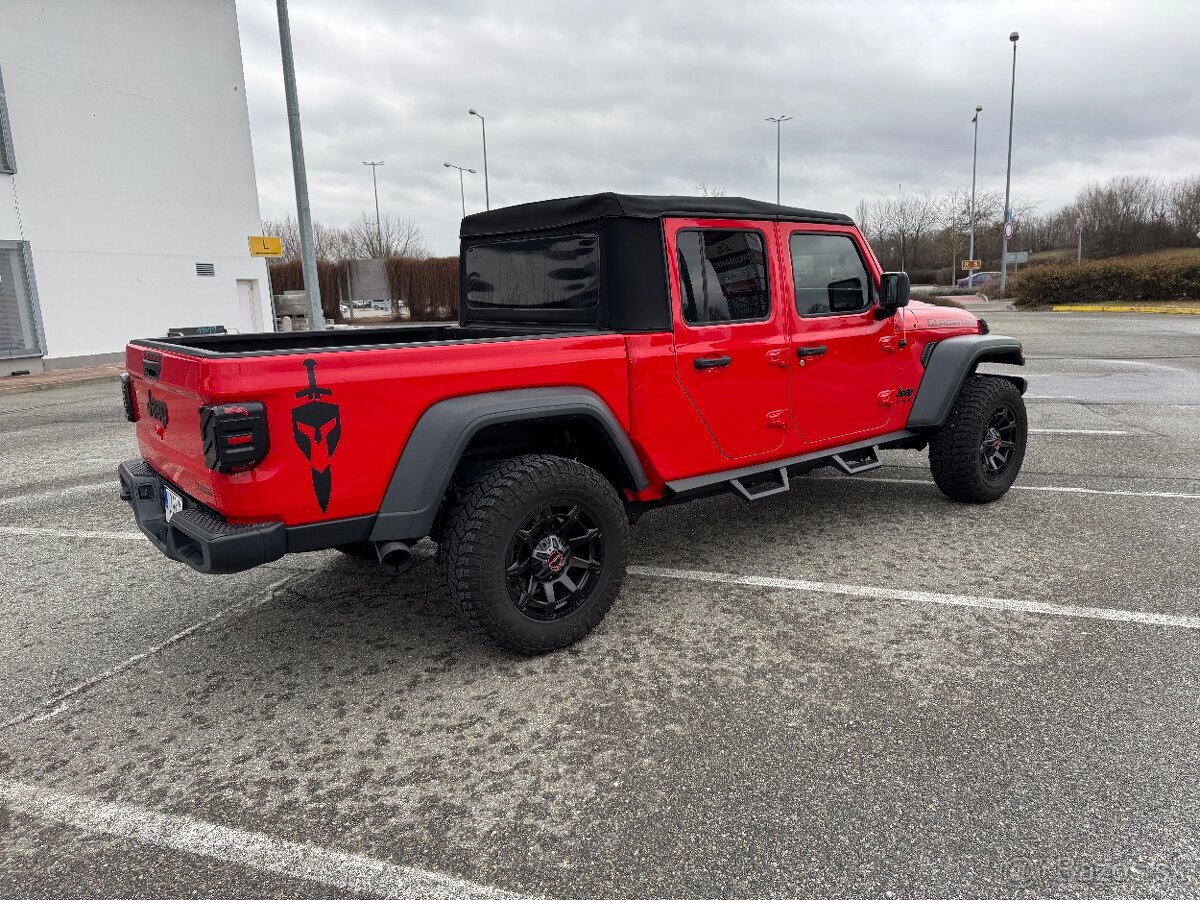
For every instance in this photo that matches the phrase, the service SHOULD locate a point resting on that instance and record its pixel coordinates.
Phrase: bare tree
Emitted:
(1185, 211)
(862, 216)
(396, 237)
(910, 216)
(705, 190)
(288, 232)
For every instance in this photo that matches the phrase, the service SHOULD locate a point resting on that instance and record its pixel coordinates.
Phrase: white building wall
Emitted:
(132, 144)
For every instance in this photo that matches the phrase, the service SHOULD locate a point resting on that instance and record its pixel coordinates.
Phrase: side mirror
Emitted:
(895, 290)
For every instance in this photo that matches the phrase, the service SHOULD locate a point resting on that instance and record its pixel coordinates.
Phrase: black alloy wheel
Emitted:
(553, 561)
(999, 442)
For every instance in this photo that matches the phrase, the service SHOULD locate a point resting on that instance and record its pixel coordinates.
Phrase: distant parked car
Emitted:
(362, 304)
(345, 310)
(384, 305)
(978, 279)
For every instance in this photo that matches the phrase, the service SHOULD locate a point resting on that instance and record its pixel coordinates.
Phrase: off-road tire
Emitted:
(955, 450)
(480, 534)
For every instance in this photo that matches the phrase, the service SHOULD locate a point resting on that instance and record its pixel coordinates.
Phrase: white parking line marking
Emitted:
(58, 493)
(332, 868)
(874, 593)
(32, 531)
(1075, 431)
(61, 701)
(1026, 487)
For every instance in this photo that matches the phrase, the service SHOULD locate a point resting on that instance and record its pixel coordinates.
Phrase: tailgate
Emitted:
(166, 392)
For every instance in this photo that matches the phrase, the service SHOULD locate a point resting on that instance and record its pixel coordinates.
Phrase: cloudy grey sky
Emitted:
(656, 96)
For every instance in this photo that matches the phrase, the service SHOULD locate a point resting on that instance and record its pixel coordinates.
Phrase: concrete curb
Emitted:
(62, 378)
(1117, 308)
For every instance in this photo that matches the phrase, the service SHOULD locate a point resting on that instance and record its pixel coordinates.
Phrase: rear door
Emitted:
(730, 340)
(842, 377)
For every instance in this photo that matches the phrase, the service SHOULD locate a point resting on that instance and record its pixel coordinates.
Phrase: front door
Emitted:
(730, 340)
(842, 372)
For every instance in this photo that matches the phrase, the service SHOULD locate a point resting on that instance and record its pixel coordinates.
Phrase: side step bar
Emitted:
(766, 484)
(768, 479)
(862, 460)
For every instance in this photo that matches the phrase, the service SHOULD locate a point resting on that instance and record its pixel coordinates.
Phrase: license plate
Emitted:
(172, 503)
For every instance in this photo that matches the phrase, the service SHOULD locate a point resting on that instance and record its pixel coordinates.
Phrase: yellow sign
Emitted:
(265, 246)
(971, 265)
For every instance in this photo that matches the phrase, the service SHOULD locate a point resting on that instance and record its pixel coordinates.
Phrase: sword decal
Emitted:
(317, 429)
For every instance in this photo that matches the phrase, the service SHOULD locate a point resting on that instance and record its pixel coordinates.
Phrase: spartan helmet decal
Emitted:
(317, 428)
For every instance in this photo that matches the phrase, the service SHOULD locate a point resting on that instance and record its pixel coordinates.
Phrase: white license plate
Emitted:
(172, 503)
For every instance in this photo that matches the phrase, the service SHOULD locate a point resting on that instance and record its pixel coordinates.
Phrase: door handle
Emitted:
(811, 351)
(712, 362)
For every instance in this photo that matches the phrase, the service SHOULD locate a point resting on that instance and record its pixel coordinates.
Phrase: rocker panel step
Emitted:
(863, 460)
(760, 489)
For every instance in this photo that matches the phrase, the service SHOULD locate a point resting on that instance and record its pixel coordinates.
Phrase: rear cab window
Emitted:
(538, 272)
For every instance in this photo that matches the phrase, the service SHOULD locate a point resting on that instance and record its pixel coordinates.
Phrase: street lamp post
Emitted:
(974, 159)
(308, 255)
(487, 193)
(462, 190)
(778, 120)
(378, 228)
(1014, 37)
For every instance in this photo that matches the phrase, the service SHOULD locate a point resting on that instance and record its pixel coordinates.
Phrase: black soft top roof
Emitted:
(571, 210)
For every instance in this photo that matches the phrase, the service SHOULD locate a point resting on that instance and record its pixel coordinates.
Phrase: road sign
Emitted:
(1017, 256)
(1008, 229)
(971, 265)
(265, 246)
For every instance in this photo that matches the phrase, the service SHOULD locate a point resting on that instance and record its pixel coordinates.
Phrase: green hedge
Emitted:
(1155, 276)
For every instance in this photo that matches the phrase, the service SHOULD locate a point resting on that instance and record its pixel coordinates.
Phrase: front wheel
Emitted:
(535, 552)
(977, 453)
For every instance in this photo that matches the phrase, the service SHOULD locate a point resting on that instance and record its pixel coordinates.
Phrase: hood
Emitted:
(927, 315)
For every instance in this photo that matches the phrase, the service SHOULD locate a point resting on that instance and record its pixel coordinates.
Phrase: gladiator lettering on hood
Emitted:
(317, 429)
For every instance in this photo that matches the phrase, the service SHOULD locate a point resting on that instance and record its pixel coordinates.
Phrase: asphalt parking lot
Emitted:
(854, 689)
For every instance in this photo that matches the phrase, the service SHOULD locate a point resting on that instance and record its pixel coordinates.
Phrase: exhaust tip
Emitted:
(394, 556)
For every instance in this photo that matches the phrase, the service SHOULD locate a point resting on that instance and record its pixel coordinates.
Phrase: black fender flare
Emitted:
(951, 362)
(441, 436)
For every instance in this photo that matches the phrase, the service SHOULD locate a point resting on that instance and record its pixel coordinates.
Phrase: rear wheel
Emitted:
(976, 455)
(535, 551)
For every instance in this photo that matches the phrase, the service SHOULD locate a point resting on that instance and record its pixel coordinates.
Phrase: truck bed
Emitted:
(378, 381)
(307, 342)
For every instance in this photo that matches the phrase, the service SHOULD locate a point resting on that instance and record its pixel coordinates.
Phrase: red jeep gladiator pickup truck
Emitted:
(613, 353)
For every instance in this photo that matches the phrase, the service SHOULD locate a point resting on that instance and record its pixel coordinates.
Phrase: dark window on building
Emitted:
(558, 271)
(20, 331)
(829, 275)
(722, 276)
(8, 162)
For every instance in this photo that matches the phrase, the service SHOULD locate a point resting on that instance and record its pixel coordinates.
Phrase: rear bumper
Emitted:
(197, 536)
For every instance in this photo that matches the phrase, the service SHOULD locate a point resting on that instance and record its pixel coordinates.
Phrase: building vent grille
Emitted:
(206, 270)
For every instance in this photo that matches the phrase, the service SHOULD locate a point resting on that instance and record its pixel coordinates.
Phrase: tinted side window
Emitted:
(829, 274)
(558, 271)
(722, 276)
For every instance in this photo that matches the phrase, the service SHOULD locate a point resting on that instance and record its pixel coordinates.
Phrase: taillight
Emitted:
(127, 397)
(234, 435)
